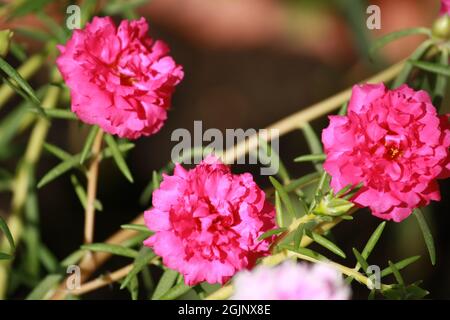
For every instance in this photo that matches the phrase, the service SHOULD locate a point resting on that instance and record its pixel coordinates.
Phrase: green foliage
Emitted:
(142, 259)
(284, 197)
(74, 161)
(118, 157)
(111, 248)
(13, 78)
(165, 283)
(271, 233)
(427, 236)
(324, 242)
(381, 42)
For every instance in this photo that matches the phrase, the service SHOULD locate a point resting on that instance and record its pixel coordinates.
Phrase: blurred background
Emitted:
(248, 63)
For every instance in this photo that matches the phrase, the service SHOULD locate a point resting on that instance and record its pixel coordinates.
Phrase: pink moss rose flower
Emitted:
(291, 281)
(207, 222)
(445, 7)
(393, 142)
(119, 78)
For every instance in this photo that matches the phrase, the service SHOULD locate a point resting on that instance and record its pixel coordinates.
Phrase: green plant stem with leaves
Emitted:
(22, 179)
(26, 70)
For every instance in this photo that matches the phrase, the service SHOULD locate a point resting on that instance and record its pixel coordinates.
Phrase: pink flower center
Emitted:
(393, 152)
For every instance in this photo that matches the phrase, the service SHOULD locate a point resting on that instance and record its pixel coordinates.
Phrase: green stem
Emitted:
(22, 180)
(26, 70)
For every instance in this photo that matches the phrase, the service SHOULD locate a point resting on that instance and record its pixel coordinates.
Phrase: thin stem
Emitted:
(103, 280)
(87, 268)
(22, 179)
(92, 188)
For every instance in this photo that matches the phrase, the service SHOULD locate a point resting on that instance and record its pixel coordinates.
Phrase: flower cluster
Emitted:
(207, 222)
(291, 281)
(394, 143)
(120, 79)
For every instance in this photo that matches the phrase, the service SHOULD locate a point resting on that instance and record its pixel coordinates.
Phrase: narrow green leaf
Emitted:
(111, 248)
(74, 161)
(18, 51)
(133, 287)
(59, 170)
(81, 194)
(427, 236)
(402, 77)
(278, 210)
(73, 258)
(441, 80)
(311, 157)
(43, 288)
(303, 181)
(433, 67)
(373, 240)
(137, 227)
(298, 236)
(284, 196)
(22, 84)
(282, 173)
(362, 262)
(88, 144)
(27, 7)
(381, 42)
(343, 109)
(304, 251)
(311, 138)
(176, 292)
(397, 274)
(399, 265)
(4, 228)
(57, 151)
(165, 283)
(118, 157)
(324, 242)
(61, 114)
(5, 256)
(155, 180)
(142, 259)
(313, 142)
(270, 233)
(48, 259)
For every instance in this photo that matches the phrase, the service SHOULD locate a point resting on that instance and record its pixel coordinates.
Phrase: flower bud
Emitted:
(441, 27)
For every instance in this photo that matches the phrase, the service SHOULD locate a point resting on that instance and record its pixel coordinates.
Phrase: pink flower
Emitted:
(394, 142)
(291, 281)
(207, 222)
(445, 7)
(119, 78)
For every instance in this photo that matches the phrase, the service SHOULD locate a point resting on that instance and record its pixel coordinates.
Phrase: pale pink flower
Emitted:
(393, 142)
(119, 78)
(291, 281)
(207, 222)
(445, 7)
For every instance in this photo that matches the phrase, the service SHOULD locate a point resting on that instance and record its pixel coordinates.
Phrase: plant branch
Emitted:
(26, 70)
(284, 126)
(92, 188)
(22, 179)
